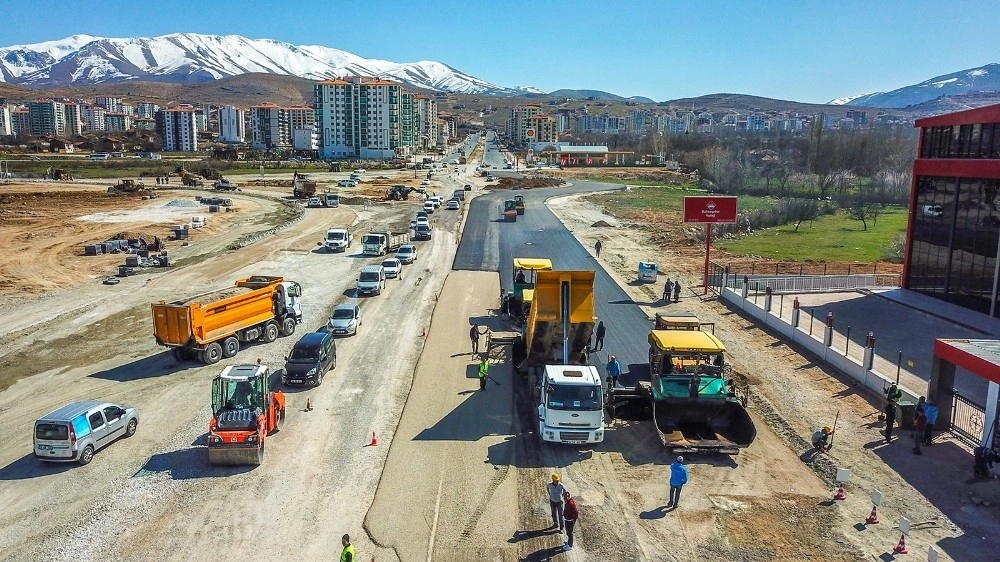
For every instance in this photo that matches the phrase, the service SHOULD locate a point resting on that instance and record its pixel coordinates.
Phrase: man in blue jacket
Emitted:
(614, 370)
(931, 411)
(678, 478)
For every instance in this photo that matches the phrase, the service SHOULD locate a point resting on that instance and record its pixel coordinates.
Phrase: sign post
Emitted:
(709, 210)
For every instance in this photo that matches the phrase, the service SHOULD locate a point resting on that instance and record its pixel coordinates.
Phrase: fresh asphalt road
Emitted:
(488, 244)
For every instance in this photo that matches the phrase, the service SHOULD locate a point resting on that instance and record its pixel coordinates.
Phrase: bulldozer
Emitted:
(398, 193)
(128, 187)
(189, 179)
(244, 414)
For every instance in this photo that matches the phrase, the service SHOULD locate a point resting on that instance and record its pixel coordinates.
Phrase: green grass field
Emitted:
(829, 238)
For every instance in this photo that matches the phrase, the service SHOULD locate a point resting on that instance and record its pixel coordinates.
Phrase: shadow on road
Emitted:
(186, 464)
(158, 365)
(471, 420)
(28, 467)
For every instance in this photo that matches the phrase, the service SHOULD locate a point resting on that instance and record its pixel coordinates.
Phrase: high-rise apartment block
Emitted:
(269, 127)
(359, 117)
(178, 128)
(232, 124)
(48, 118)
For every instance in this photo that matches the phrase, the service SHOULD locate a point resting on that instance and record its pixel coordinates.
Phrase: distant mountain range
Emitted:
(974, 80)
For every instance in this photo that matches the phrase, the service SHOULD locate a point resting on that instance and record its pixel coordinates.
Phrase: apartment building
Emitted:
(178, 129)
(117, 121)
(269, 127)
(359, 117)
(21, 119)
(427, 116)
(6, 126)
(109, 103)
(232, 124)
(542, 131)
(93, 117)
(74, 119)
(146, 110)
(47, 118)
(519, 123)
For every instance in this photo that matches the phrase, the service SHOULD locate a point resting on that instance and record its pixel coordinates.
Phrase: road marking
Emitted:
(437, 510)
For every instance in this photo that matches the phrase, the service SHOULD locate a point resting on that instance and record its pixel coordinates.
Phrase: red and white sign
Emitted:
(710, 209)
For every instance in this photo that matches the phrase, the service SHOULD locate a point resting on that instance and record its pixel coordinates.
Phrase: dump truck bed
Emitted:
(211, 316)
(545, 324)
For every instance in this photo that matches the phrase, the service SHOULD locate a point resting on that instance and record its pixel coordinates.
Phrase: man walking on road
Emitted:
(599, 336)
(597, 247)
(484, 371)
(890, 419)
(678, 478)
(474, 334)
(570, 514)
(347, 555)
(614, 371)
(556, 491)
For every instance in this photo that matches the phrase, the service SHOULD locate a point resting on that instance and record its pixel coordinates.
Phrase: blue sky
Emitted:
(802, 50)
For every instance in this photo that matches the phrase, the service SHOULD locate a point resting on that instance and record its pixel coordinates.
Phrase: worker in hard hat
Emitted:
(821, 439)
(556, 490)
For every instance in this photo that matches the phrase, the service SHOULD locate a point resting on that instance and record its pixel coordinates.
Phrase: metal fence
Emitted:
(722, 276)
(967, 419)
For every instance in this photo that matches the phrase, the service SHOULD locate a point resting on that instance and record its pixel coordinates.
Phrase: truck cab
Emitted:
(332, 200)
(374, 244)
(572, 405)
(338, 239)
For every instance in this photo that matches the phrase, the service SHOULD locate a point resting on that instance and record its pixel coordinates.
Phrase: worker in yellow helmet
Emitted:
(821, 439)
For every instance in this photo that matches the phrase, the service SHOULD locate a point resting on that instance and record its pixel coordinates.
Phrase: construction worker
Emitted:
(614, 370)
(821, 439)
(484, 371)
(347, 555)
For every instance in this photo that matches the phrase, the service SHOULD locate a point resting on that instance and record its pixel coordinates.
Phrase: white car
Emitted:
(436, 200)
(393, 267)
(347, 183)
(422, 220)
(345, 320)
(453, 205)
(429, 207)
(425, 182)
(407, 253)
(360, 171)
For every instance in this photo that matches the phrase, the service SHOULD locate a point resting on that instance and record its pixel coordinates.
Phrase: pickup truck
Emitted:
(338, 239)
(314, 202)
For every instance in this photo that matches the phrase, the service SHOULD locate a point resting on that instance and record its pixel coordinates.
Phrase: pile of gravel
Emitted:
(183, 203)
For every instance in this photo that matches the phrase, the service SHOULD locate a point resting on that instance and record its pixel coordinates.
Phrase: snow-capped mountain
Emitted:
(848, 99)
(191, 58)
(983, 79)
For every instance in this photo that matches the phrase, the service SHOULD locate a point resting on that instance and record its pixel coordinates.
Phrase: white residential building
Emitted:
(74, 119)
(232, 124)
(117, 122)
(146, 109)
(178, 128)
(109, 103)
(427, 116)
(360, 117)
(269, 127)
(305, 138)
(6, 126)
(93, 117)
(47, 117)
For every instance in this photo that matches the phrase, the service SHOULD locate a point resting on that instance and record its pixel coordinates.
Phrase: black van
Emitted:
(310, 358)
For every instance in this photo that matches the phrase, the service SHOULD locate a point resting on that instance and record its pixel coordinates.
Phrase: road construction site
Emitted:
(399, 448)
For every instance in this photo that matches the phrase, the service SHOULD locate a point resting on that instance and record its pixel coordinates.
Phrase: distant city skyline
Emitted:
(803, 51)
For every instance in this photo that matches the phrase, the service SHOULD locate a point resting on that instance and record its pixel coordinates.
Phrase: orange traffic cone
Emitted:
(374, 442)
(841, 493)
(309, 405)
(873, 516)
(901, 547)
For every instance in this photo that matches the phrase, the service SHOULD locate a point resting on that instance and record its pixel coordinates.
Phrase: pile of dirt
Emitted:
(526, 183)
(659, 175)
(601, 223)
(268, 183)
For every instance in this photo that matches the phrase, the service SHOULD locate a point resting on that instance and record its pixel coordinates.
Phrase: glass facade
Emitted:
(981, 140)
(954, 239)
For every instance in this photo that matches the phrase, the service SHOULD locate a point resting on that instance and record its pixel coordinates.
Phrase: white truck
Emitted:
(338, 239)
(378, 243)
(572, 405)
(331, 199)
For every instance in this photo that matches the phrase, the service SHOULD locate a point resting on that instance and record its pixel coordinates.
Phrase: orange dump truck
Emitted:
(214, 325)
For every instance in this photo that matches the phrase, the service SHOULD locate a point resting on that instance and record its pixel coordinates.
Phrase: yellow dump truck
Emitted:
(560, 322)
(215, 325)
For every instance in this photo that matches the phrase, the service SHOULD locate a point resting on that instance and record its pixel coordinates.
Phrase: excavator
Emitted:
(244, 414)
(189, 179)
(398, 193)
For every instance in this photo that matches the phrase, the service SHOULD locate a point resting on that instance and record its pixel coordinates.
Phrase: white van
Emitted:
(371, 281)
(76, 431)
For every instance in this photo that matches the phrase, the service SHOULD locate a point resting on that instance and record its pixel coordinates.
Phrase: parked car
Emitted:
(933, 210)
(344, 320)
(78, 430)
(393, 267)
(407, 253)
(453, 205)
(425, 182)
(361, 171)
(310, 358)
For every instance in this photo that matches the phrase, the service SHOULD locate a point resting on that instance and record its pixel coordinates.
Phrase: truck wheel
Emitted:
(87, 455)
(270, 332)
(230, 347)
(288, 326)
(212, 353)
(178, 353)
